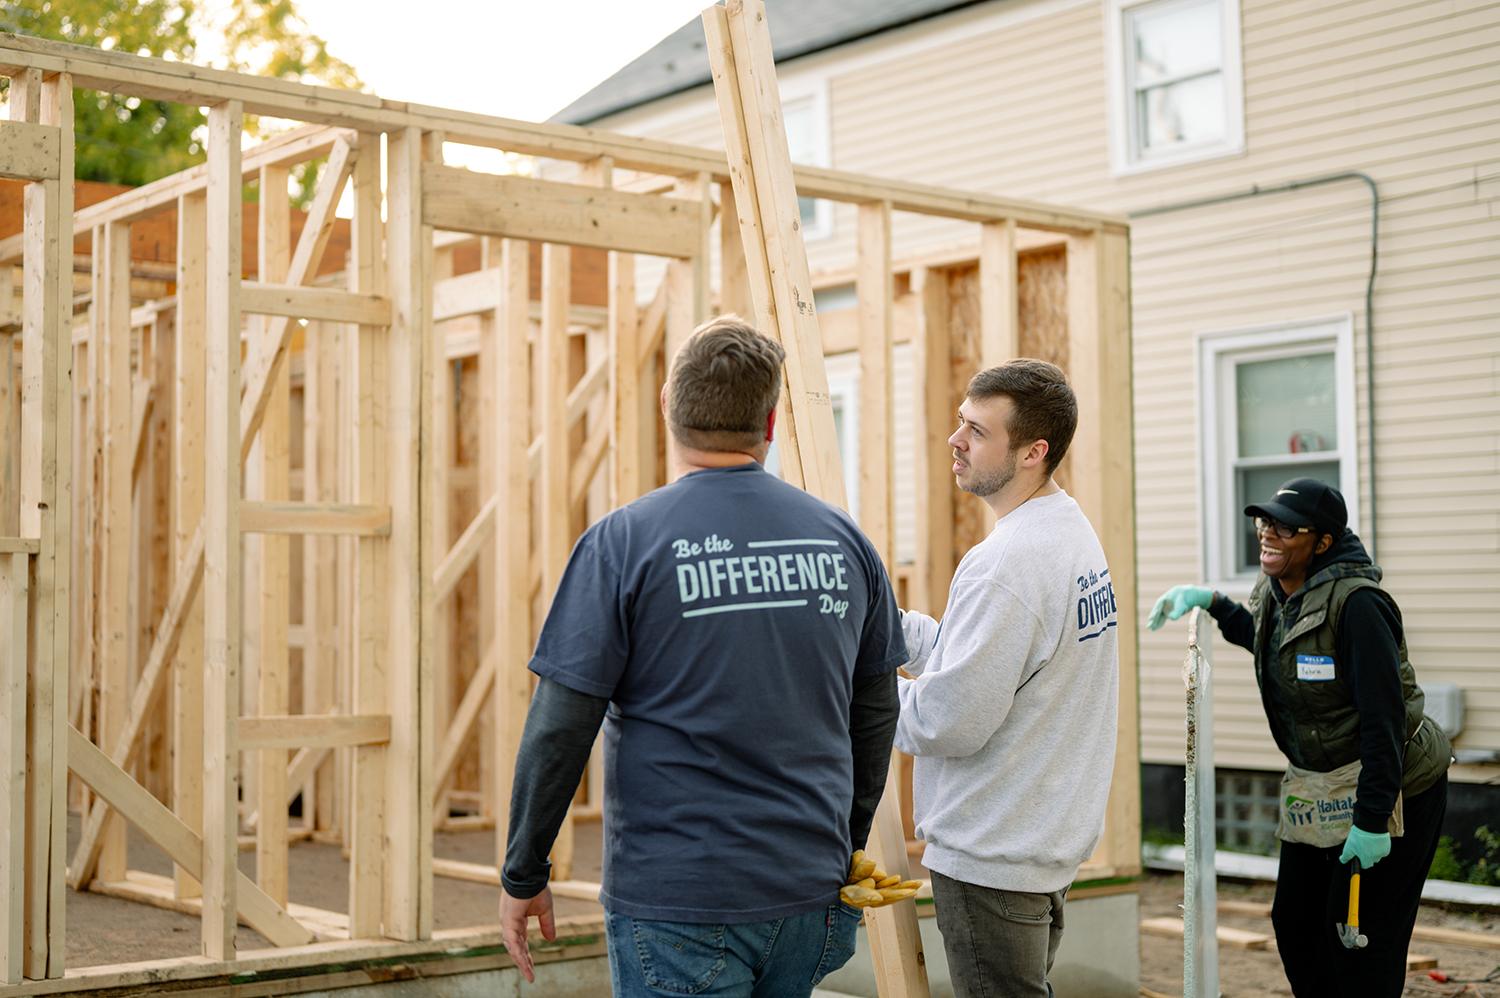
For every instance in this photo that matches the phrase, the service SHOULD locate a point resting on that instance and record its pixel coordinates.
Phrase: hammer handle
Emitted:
(1354, 899)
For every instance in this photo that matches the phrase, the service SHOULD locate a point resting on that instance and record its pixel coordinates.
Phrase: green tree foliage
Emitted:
(126, 140)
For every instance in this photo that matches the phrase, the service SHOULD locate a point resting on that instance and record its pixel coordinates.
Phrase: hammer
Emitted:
(1349, 934)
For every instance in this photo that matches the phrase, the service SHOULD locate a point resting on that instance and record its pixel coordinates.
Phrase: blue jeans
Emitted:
(779, 958)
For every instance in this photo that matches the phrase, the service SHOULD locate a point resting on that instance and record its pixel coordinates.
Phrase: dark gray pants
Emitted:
(999, 943)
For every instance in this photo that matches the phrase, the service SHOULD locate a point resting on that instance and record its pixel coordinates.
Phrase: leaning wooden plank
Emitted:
(739, 44)
(29, 151)
(312, 731)
(14, 572)
(178, 841)
(284, 517)
(272, 588)
(548, 211)
(187, 509)
(328, 304)
(221, 572)
(758, 270)
(780, 227)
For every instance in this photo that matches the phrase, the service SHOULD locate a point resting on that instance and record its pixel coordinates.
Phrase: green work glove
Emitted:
(1177, 601)
(1368, 847)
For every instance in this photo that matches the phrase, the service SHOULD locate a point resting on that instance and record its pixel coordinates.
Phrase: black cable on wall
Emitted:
(1297, 185)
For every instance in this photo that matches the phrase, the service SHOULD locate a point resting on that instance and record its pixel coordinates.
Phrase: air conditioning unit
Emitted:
(1445, 705)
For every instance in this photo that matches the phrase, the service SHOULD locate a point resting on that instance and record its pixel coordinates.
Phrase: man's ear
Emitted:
(663, 401)
(1324, 543)
(1036, 454)
(771, 426)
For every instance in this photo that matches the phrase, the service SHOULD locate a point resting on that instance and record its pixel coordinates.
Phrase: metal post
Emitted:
(1200, 889)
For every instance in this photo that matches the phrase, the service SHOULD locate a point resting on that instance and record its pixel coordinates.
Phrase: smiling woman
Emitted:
(1368, 769)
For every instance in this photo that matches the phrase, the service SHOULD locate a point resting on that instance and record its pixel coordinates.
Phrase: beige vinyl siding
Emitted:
(1016, 102)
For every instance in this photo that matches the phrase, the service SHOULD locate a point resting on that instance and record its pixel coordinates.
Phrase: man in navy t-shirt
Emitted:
(738, 640)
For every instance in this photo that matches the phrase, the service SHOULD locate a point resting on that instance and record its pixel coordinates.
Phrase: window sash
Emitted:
(1220, 355)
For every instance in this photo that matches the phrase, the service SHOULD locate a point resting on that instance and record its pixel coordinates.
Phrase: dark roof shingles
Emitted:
(798, 27)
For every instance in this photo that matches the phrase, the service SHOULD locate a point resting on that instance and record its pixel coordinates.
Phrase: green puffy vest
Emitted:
(1316, 724)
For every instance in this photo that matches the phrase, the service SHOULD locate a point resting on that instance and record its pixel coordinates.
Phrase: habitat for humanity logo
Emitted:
(1299, 811)
(711, 569)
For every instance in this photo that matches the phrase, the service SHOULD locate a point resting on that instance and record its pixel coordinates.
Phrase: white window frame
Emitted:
(1125, 157)
(843, 392)
(813, 94)
(1218, 353)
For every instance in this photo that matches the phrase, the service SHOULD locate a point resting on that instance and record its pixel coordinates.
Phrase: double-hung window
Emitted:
(806, 119)
(1276, 403)
(1176, 84)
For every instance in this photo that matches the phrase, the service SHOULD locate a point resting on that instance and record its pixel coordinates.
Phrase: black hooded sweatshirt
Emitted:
(1369, 645)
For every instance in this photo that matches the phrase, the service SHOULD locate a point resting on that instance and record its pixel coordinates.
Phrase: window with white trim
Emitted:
(1277, 403)
(1176, 87)
(806, 121)
(843, 394)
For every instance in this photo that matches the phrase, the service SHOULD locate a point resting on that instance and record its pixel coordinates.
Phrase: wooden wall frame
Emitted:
(340, 366)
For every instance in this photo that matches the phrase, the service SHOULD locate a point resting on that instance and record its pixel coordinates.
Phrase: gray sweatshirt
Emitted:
(1012, 714)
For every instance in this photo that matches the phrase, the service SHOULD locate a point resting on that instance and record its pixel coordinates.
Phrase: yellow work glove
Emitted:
(871, 887)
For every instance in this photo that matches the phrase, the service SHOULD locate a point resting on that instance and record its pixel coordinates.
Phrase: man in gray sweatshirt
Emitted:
(1011, 713)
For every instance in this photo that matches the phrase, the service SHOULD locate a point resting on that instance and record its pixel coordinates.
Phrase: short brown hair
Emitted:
(1045, 407)
(724, 384)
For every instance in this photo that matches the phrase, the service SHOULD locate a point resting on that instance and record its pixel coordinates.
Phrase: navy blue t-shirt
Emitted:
(725, 617)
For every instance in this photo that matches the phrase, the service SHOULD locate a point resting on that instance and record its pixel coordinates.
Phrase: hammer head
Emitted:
(1351, 937)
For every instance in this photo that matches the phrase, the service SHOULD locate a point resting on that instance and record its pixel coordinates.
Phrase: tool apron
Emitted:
(1317, 809)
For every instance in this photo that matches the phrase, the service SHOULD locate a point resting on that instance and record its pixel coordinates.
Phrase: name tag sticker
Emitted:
(1315, 668)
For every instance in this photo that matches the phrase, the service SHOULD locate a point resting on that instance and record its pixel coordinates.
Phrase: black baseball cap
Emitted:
(1305, 502)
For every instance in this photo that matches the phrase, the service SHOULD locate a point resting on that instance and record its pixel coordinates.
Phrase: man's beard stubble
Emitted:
(985, 486)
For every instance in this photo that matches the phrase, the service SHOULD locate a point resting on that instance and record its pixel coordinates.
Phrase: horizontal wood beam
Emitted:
(553, 212)
(310, 731)
(324, 304)
(296, 146)
(28, 151)
(156, 821)
(20, 545)
(157, 79)
(349, 519)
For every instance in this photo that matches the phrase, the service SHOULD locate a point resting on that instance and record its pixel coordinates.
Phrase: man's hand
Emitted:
(515, 913)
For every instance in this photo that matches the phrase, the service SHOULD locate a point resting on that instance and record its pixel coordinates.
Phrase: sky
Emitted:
(508, 57)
